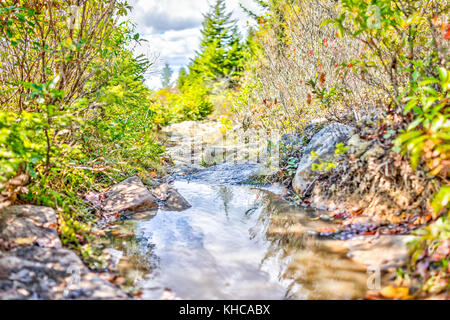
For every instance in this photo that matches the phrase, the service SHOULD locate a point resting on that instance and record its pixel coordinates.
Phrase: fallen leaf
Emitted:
(119, 280)
(357, 212)
(326, 230)
(396, 293)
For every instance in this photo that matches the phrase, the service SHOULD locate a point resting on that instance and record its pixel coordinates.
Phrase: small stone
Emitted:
(23, 292)
(325, 217)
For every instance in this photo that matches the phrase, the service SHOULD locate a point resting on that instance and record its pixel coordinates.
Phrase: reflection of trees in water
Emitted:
(304, 264)
(139, 258)
(225, 194)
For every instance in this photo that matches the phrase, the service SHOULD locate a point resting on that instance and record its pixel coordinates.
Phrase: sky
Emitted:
(172, 28)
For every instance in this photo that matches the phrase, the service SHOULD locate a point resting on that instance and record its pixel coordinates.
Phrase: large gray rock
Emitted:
(50, 273)
(29, 222)
(129, 195)
(323, 144)
(38, 267)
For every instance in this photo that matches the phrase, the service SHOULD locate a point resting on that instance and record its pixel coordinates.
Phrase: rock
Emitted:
(174, 201)
(28, 222)
(373, 153)
(325, 217)
(314, 127)
(150, 180)
(94, 198)
(324, 144)
(46, 273)
(291, 141)
(358, 146)
(45, 270)
(129, 195)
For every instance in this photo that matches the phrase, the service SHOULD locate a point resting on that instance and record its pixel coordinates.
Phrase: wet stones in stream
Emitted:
(132, 196)
(33, 264)
(173, 200)
(129, 195)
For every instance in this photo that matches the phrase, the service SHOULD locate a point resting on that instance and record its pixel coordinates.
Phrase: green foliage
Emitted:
(191, 103)
(221, 53)
(215, 69)
(21, 143)
(325, 166)
(407, 42)
(427, 242)
(428, 136)
(441, 200)
(74, 111)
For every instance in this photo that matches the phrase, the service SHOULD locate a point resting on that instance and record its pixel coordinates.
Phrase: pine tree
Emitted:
(220, 55)
(166, 75)
(181, 77)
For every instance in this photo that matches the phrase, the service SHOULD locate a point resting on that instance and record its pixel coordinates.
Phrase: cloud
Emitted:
(172, 28)
(161, 16)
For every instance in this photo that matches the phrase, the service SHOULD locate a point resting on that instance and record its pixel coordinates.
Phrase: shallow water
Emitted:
(236, 242)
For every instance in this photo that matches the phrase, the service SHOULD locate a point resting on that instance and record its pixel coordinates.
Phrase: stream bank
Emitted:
(205, 232)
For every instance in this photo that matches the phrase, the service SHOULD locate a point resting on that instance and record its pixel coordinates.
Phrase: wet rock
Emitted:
(173, 200)
(227, 173)
(176, 202)
(324, 145)
(29, 222)
(129, 195)
(325, 217)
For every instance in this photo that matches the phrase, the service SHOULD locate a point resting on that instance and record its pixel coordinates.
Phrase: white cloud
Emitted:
(172, 28)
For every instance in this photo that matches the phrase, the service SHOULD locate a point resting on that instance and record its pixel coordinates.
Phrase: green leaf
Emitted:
(414, 124)
(441, 199)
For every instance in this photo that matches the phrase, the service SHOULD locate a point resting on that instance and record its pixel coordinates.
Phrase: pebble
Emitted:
(325, 217)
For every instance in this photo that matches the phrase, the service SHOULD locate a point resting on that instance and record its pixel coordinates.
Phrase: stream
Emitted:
(237, 241)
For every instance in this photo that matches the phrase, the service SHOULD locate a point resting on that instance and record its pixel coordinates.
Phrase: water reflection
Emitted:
(237, 242)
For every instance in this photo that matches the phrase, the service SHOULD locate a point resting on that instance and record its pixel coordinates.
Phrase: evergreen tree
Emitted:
(221, 53)
(166, 75)
(182, 77)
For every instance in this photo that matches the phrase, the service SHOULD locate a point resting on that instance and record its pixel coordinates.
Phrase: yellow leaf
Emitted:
(396, 293)
(24, 241)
